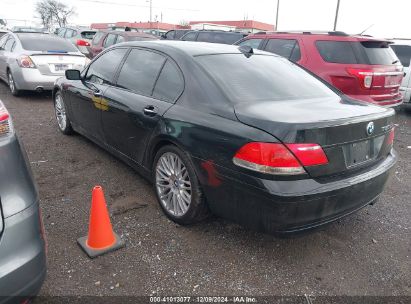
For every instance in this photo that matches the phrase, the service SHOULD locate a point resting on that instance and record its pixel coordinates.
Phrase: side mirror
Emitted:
(73, 75)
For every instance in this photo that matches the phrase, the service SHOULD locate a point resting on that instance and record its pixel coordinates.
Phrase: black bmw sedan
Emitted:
(242, 133)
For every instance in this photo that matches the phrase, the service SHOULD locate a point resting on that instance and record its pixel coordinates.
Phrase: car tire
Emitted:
(183, 181)
(63, 121)
(12, 84)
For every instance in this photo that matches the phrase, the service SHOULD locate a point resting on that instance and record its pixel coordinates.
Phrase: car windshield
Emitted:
(262, 78)
(88, 34)
(46, 43)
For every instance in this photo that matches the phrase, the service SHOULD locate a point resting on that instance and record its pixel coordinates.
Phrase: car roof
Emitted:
(315, 35)
(190, 48)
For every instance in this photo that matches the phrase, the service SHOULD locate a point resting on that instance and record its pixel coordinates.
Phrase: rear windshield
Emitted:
(88, 34)
(262, 78)
(46, 43)
(349, 52)
(224, 38)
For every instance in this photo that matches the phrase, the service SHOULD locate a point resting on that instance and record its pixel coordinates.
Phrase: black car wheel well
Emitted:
(157, 147)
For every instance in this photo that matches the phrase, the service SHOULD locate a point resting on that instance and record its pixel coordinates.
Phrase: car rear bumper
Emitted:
(22, 256)
(283, 207)
(32, 80)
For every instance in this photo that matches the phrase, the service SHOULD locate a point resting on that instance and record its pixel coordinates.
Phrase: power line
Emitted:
(138, 5)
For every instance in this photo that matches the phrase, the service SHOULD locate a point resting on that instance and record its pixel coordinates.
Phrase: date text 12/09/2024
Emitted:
(203, 299)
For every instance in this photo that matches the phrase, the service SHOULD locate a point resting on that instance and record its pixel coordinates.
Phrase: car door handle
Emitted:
(150, 111)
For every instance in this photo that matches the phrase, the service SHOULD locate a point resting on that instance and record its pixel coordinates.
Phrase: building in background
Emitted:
(246, 26)
(159, 28)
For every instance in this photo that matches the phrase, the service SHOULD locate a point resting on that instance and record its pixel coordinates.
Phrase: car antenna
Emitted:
(360, 34)
(246, 50)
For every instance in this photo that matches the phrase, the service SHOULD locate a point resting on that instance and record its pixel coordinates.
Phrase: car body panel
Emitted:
(22, 239)
(405, 57)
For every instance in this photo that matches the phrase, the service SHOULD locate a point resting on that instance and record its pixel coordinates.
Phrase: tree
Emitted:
(53, 11)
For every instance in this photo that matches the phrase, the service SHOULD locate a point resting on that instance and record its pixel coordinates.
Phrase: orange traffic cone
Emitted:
(101, 238)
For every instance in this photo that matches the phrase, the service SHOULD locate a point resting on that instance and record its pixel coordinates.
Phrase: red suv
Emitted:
(361, 67)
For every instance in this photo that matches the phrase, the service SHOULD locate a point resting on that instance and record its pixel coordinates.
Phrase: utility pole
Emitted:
(336, 15)
(151, 11)
(276, 15)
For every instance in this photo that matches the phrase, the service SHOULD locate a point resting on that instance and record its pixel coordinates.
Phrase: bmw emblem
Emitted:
(370, 128)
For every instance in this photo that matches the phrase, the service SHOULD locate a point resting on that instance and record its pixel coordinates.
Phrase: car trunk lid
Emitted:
(55, 63)
(341, 127)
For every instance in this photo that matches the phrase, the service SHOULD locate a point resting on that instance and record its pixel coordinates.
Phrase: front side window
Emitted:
(102, 70)
(140, 71)
(170, 35)
(403, 53)
(253, 43)
(288, 48)
(170, 83)
(110, 40)
(61, 32)
(120, 39)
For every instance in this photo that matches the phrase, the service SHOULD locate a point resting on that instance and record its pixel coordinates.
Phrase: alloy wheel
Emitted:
(60, 112)
(173, 184)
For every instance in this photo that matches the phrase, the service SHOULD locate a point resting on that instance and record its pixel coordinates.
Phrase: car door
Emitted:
(147, 86)
(86, 96)
(3, 60)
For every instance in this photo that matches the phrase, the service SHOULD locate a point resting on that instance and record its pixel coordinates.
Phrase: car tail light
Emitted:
(5, 121)
(391, 136)
(25, 62)
(309, 154)
(278, 159)
(81, 42)
(365, 76)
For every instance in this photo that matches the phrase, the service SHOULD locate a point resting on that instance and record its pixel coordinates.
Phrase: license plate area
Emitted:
(60, 67)
(361, 152)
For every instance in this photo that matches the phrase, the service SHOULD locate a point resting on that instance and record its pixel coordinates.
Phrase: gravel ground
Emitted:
(367, 253)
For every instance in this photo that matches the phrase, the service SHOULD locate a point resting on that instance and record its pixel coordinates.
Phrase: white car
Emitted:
(402, 49)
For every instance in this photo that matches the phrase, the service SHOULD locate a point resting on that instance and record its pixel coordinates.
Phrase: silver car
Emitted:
(22, 239)
(80, 37)
(33, 61)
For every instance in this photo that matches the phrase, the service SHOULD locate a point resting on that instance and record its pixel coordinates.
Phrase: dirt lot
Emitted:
(365, 254)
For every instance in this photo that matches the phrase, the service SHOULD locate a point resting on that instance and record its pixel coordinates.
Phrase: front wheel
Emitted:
(177, 187)
(63, 121)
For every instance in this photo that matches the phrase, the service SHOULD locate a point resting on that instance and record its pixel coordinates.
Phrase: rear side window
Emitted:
(61, 32)
(253, 43)
(190, 37)
(355, 52)
(3, 40)
(140, 71)
(2, 34)
(179, 34)
(102, 70)
(170, 83)
(32, 42)
(403, 53)
(97, 37)
(120, 39)
(9, 46)
(288, 48)
(110, 40)
(170, 35)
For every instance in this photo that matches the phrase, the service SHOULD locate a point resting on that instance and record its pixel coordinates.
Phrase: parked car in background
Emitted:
(81, 37)
(213, 36)
(105, 39)
(28, 29)
(174, 34)
(361, 67)
(246, 134)
(402, 49)
(33, 61)
(3, 32)
(22, 238)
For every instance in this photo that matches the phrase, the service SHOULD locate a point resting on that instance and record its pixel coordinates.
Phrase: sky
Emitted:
(387, 18)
